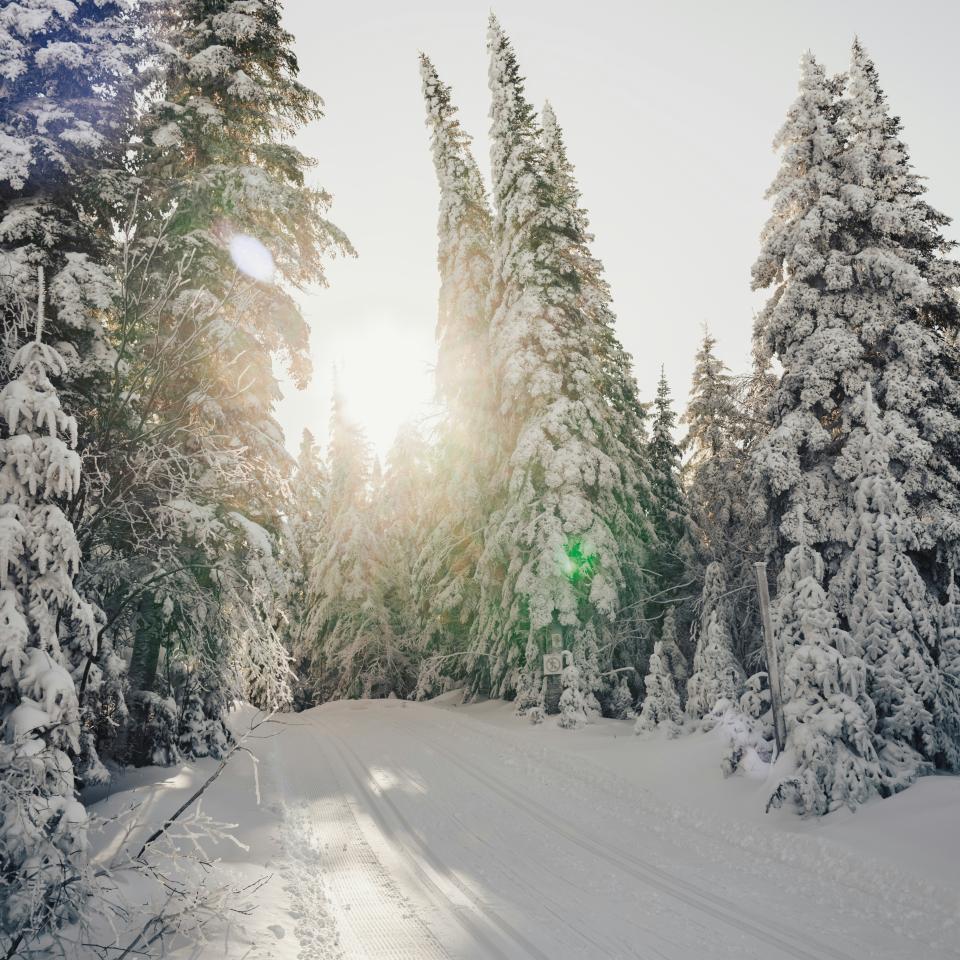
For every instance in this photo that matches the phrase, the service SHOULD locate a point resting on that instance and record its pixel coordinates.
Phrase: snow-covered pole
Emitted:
(41, 297)
(773, 666)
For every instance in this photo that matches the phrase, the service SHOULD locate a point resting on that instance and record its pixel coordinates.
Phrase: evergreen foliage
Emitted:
(661, 704)
(716, 673)
(568, 536)
(42, 824)
(829, 715)
(463, 453)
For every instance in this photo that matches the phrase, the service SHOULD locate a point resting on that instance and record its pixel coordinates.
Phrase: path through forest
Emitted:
(416, 832)
(396, 830)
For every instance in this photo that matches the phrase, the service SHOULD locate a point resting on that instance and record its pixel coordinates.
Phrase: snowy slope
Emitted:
(402, 830)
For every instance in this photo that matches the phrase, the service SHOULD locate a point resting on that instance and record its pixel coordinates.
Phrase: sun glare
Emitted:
(251, 257)
(385, 381)
(383, 370)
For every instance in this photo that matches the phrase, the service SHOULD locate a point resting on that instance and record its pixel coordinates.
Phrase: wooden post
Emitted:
(773, 666)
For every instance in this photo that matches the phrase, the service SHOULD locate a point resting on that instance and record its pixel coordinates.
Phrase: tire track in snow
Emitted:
(717, 907)
(474, 915)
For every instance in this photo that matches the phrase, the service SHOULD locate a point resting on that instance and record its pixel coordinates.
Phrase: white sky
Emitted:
(669, 110)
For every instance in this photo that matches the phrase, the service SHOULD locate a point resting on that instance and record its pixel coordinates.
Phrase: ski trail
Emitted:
(720, 909)
(345, 902)
(450, 892)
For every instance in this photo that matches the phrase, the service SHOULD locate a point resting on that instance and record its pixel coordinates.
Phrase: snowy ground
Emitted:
(397, 830)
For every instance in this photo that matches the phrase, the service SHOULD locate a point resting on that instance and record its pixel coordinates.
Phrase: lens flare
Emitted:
(251, 257)
(578, 561)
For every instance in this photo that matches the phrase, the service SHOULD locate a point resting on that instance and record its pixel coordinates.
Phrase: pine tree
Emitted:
(405, 504)
(65, 113)
(863, 295)
(464, 447)
(716, 673)
(661, 704)
(948, 659)
(890, 612)
(725, 420)
(829, 716)
(567, 540)
(42, 825)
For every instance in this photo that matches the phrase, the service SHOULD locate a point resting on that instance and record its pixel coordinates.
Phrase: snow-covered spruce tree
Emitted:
(661, 702)
(717, 675)
(668, 510)
(568, 537)
(355, 651)
(464, 446)
(715, 467)
(829, 715)
(304, 537)
(405, 513)
(42, 825)
(729, 523)
(670, 652)
(948, 656)
(862, 295)
(891, 615)
(66, 96)
(621, 700)
(220, 227)
(64, 110)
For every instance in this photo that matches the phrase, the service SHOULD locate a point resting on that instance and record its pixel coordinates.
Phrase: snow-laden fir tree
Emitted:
(305, 531)
(863, 294)
(661, 702)
(891, 614)
(220, 227)
(670, 652)
(717, 675)
(465, 441)
(405, 513)
(668, 511)
(621, 700)
(715, 468)
(948, 657)
(567, 541)
(725, 418)
(829, 715)
(42, 824)
(355, 650)
(66, 97)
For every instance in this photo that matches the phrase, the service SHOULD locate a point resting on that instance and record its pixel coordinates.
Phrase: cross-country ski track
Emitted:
(404, 831)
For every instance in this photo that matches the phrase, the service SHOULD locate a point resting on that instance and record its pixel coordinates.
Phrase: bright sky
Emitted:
(668, 109)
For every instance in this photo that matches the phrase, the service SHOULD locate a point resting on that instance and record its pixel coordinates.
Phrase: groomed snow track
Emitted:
(411, 832)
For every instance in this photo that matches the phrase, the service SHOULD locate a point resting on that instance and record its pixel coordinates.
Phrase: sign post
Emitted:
(773, 665)
(553, 670)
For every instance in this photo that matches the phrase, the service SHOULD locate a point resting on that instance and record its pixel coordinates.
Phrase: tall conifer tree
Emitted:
(863, 295)
(465, 443)
(567, 540)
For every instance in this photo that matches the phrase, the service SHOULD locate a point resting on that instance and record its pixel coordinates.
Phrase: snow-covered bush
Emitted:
(620, 703)
(748, 726)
